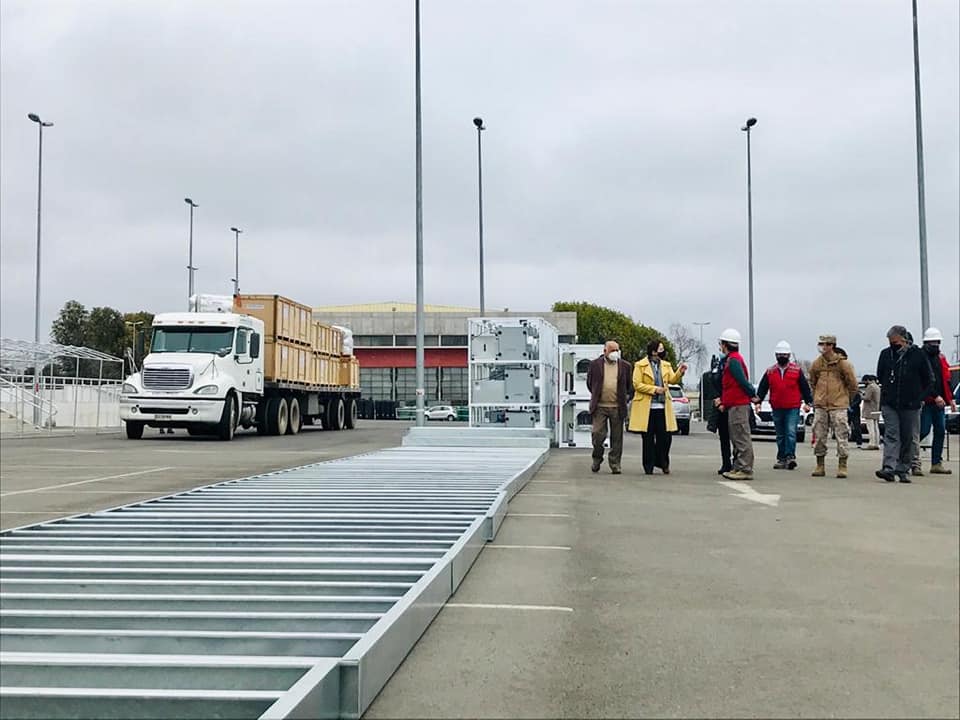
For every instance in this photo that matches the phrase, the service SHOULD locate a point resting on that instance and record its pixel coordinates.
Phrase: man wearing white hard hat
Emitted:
(788, 388)
(932, 416)
(735, 397)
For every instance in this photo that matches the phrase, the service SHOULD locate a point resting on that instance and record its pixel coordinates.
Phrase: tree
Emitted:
(597, 324)
(70, 327)
(687, 346)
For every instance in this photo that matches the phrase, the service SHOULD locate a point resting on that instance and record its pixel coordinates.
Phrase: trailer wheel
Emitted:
(296, 420)
(335, 414)
(134, 430)
(228, 421)
(350, 419)
(277, 417)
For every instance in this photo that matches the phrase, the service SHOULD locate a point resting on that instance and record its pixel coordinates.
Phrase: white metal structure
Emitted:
(48, 387)
(205, 373)
(574, 426)
(513, 372)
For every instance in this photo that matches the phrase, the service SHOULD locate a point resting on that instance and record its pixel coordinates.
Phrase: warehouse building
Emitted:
(384, 336)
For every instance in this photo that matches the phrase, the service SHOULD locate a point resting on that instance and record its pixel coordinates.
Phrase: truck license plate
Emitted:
(163, 417)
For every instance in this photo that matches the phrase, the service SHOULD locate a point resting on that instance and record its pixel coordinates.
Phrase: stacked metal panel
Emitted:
(574, 426)
(513, 372)
(291, 594)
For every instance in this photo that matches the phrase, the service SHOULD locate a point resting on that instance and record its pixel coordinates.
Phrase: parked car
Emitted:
(681, 409)
(441, 412)
(761, 423)
(953, 418)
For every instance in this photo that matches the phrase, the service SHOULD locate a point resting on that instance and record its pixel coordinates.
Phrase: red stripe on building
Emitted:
(406, 357)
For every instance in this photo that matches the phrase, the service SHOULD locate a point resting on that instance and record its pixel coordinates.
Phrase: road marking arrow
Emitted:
(748, 493)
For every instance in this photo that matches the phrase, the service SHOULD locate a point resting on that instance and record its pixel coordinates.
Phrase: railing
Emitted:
(58, 404)
(27, 406)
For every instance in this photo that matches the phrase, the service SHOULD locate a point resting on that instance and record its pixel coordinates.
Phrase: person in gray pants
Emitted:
(905, 380)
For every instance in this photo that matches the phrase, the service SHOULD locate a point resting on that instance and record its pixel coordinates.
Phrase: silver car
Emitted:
(681, 409)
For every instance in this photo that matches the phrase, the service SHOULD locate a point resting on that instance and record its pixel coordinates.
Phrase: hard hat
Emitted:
(782, 348)
(932, 334)
(730, 335)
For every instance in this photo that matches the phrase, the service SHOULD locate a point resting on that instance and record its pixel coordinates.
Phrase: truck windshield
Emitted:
(193, 340)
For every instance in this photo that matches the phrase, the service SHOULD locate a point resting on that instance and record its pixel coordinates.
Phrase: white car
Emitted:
(441, 412)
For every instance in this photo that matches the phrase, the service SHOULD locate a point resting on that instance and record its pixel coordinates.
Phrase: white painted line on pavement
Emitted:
(746, 492)
(73, 450)
(550, 515)
(493, 606)
(527, 547)
(84, 482)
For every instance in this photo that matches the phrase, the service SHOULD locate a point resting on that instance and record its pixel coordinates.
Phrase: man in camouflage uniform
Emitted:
(833, 383)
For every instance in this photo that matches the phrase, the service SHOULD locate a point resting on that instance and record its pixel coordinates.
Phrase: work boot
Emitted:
(615, 469)
(939, 469)
(791, 463)
(916, 472)
(842, 468)
(738, 475)
(886, 475)
(821, 468)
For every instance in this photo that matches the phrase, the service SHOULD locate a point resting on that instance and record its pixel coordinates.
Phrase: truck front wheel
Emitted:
(134, 430)
(228, 421)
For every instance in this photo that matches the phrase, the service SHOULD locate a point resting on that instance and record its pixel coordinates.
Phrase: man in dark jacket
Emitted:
(610, 382)
(905, 380)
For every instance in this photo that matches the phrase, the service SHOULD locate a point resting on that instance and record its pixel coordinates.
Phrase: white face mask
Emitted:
(613, 356)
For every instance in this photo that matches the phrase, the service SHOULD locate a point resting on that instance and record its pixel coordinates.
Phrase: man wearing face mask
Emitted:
(932, 415)
(834, 384)
(788, 388)
(736, 394)
(610, 386)
(905, 380)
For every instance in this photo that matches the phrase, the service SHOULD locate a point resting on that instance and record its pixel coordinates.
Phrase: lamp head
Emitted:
(479, 123)
(190, 202)
(749, 124)
(34, 117)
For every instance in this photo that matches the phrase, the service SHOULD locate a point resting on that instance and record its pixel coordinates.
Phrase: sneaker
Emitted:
(886, 475)
(916, 472)
(738, 475)
(724, 470)
(905, 479)
(791, 463)
(595, 467)
(780, 465)
(615, 470)
(939, 469)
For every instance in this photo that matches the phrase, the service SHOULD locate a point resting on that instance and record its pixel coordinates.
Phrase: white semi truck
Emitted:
(211, 373)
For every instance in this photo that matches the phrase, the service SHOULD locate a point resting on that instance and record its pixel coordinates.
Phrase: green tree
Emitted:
(597, 324)
(70, 327)
(106, 331)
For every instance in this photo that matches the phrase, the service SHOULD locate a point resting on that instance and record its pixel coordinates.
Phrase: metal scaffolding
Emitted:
(39, 394)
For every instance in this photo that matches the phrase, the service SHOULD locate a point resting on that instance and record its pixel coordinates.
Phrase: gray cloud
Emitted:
(614, 166)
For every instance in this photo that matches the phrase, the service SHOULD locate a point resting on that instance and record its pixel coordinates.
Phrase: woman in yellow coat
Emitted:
(652, 411)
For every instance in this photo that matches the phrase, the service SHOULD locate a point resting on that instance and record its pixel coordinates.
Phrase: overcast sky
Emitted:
(614, 164)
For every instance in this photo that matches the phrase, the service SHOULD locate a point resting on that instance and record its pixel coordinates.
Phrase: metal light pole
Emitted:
(236, 260)
(921, 204)
(36, 308)
(419, 163)
(190, 267)
(700, 350)
(133, 325)
(746, 128)
(480, 128)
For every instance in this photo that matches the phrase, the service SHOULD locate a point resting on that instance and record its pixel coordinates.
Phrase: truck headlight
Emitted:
(128, 389)
(207, 390)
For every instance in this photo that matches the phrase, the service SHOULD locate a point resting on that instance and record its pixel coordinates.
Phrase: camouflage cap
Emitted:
(828, 340)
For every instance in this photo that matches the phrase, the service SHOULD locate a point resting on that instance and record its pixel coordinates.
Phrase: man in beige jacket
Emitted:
(833, 383)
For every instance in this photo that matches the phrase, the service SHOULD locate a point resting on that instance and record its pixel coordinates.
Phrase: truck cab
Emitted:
(204, 373)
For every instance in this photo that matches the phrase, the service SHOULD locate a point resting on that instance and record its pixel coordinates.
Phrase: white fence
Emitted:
(58, 404)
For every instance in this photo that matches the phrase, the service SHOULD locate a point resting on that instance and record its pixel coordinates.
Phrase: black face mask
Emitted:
(783, 360)
(932, 349)
(662, 354)
(895, 346)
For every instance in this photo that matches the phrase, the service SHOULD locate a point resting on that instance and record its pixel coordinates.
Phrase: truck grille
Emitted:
(166, 378)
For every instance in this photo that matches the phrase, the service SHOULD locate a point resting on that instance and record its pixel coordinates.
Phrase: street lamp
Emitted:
(921, 203)
(190, 267)
(419, 173)
(480, 128)
(700, 349)
(36, 308)
(133, 325)
(746, 128)
(236, 260)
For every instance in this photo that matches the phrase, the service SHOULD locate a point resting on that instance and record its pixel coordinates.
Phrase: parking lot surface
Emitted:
(46, 478)
(676, 596)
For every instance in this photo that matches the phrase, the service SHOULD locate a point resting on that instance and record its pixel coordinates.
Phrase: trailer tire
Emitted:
(295, 422)
(134, 429)
(335, 414)
(350, 417)
(228, 421)
(277, 417)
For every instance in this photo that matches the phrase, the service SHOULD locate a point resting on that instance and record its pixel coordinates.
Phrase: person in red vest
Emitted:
(788, 388)
(735, 397)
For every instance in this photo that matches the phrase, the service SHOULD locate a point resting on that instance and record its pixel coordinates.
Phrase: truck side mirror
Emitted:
(255, 346)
